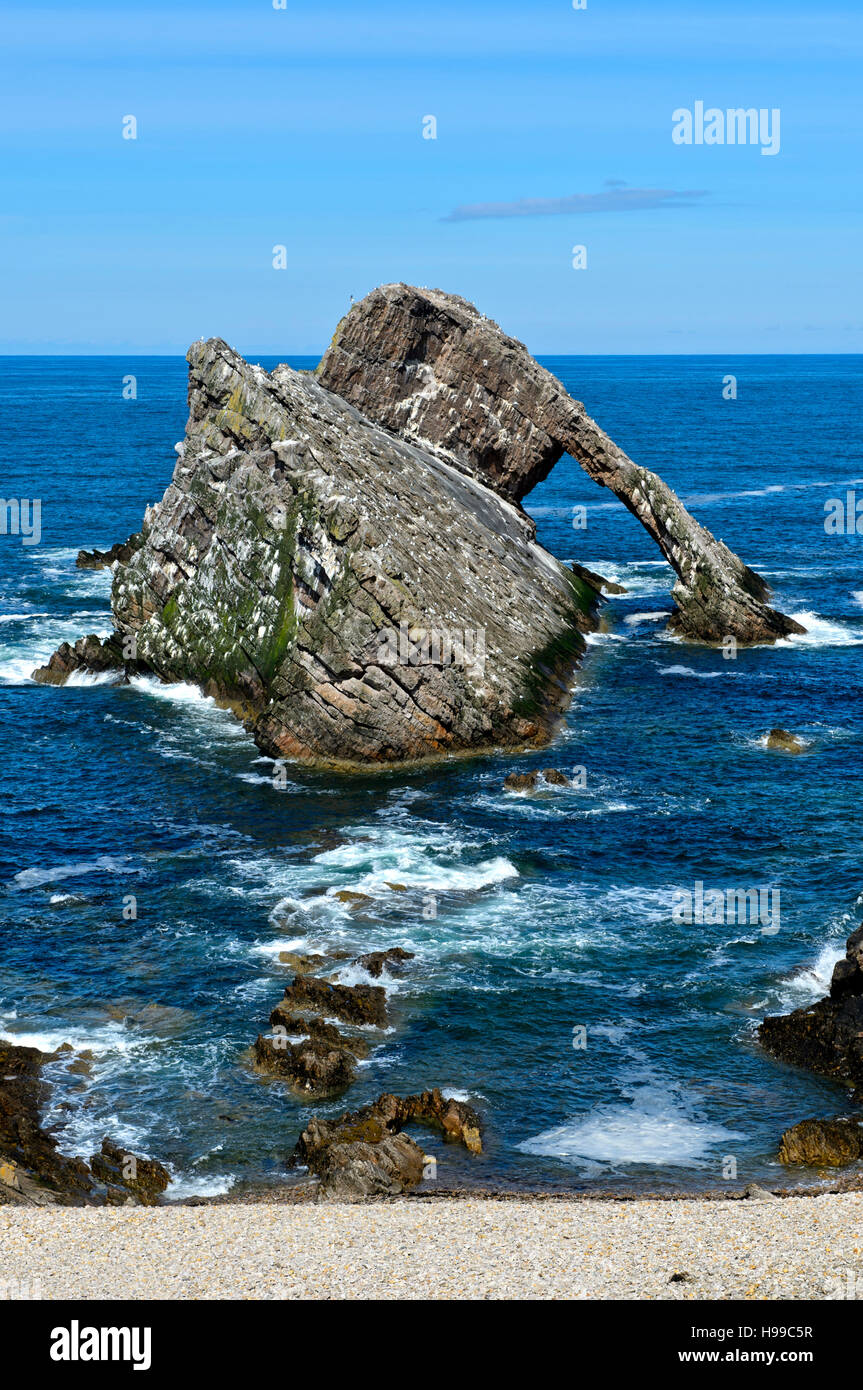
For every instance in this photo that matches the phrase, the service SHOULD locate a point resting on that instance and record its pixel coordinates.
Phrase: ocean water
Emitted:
(554, 912)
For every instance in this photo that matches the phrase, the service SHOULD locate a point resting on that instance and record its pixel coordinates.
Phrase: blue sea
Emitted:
(555, 922)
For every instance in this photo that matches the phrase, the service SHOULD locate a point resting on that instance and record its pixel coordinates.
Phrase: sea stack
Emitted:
(342, 558)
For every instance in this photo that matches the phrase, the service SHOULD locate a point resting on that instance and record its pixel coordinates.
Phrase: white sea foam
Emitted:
(655, 1128)
(688, 671)
(92, 678)
(430, 860)
(35, 878)
(18, 670)
(812, 982)
(190, 1185)
(109, 1038)
(635, 619)
(180, 692)
(821, 632)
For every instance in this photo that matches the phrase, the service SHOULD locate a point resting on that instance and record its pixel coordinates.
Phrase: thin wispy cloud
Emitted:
(616, 197)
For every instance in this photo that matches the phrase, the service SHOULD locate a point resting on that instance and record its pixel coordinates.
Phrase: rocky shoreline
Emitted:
(34, 1173)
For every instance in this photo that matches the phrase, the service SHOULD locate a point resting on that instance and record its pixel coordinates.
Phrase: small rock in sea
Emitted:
(320, 1031)
(315, 1068)
(822, 1143)
(377, 961)
(397, 887)
(554, 777)
(785, 741)
(346, 895)
(302, 965)
(350, 1003)
(520, 781)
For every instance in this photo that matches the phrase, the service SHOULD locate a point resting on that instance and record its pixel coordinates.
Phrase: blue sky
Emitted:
(303, 127)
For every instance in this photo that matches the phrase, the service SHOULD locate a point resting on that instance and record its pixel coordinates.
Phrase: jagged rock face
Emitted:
(89, 654)
(827, 1037)
(429, 366)
(357, 598)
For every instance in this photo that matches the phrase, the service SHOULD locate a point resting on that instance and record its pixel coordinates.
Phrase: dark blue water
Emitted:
(553, 912)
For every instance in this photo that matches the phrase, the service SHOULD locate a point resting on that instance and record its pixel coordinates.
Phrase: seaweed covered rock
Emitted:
(782, 740)
(124, 1173)
(822, 1143)
(432, 368)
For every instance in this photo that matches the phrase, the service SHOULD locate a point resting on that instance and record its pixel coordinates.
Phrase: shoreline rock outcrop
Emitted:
(362, 1004)
(364, 1153)
(822, 1143)
(430, 367)
(826, 1037)
(34, 1173)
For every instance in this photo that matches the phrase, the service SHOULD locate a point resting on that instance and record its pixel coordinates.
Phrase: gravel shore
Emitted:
(801, 1248)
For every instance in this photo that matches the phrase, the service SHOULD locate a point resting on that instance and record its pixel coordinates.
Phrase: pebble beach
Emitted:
(794, 1248)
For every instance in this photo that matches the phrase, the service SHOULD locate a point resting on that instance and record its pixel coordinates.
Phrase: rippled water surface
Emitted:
(554, 911)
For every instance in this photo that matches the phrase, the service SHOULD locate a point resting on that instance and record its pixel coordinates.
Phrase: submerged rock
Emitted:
(826, 1037)
(375, 962)
(33, 1173)
(430, 367)
(520, 781)
(822, 1143)
(784, 741)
